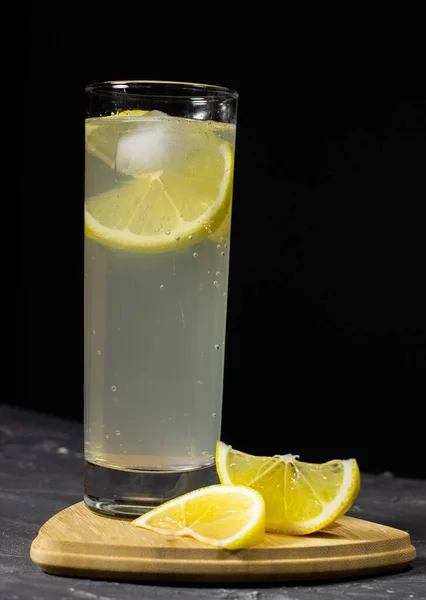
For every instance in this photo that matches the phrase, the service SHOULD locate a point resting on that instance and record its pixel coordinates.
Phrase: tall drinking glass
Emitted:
(158, 197)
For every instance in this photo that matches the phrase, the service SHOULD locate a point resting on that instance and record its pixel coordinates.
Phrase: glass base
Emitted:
(129, 494)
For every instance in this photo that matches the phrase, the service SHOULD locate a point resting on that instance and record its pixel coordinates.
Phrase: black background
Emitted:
(326, 344)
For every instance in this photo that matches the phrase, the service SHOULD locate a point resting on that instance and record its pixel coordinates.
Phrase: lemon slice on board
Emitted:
(173, 185)
(300, 497)
(223, 516)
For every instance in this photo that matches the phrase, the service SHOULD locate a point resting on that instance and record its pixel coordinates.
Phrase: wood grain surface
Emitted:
(79, 542)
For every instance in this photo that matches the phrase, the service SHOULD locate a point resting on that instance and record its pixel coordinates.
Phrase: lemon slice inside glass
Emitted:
(300, 497)
(173, 184)
(223, 516)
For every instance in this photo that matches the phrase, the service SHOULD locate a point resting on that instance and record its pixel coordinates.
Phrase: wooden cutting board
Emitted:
(79, 542)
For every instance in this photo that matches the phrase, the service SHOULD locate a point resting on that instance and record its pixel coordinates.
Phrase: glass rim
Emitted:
(204, 90)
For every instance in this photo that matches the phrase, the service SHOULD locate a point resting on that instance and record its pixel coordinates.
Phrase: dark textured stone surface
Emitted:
(41, 473)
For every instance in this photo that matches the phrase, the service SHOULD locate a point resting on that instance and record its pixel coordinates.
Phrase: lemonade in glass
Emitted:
(158, 201)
